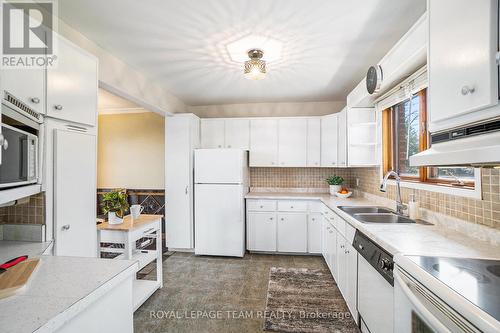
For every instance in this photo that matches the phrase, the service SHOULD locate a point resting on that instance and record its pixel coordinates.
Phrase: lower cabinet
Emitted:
(314, 226)
(261, 232)
(292, 232)
(332, 250)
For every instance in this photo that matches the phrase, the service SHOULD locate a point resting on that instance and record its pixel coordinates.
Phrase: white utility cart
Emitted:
(128, 233)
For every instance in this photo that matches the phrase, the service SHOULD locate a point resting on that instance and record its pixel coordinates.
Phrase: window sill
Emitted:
(457, 191)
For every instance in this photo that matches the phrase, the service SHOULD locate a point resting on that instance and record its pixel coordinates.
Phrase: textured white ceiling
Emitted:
(327, 44)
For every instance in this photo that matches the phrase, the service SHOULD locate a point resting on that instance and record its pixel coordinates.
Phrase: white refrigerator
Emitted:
(221, 183)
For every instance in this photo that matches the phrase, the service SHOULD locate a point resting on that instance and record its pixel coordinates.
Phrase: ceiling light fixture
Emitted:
(255, 68)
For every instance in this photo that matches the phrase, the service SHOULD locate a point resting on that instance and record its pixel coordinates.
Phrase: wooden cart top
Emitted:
(129, 223)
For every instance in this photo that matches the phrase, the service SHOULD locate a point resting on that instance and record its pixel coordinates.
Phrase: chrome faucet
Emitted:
(400, 207)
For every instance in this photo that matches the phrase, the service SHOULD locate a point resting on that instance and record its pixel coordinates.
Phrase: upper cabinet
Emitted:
(72, 85)
(329, 140)
(292, 140)
(264, 142)
(25, 85)
(237, 133)
(362, 137)
(225, 133)
(212, 133)
(342, 138)
(463, 73)
(313, 142)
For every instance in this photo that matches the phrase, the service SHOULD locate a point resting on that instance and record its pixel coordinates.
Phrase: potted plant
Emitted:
(335, 183)
(115, 204)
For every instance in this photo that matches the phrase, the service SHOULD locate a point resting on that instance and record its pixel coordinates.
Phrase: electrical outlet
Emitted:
(357, 182)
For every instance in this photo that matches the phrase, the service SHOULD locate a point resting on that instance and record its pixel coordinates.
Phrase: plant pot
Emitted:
(113, 219)
(335, 188)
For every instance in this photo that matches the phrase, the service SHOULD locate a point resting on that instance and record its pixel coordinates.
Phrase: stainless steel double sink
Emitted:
(372, 214)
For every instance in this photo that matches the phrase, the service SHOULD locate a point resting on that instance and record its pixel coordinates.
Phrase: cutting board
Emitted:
(15, 278)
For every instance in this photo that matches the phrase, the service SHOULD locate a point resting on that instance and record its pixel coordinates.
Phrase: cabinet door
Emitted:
(292, 142)
(212, 133)
(324, 240)
(341, 264)
(72, 85)
(263, 142)
(342, 138)
(332, 251)
(313, 142)
(329, 140)
(463, 74)
(237, 133)
(261, 232)
(292, 232)
(351, 283)
(179, 144)
(314, 233)
(26, 85)
(74, 194)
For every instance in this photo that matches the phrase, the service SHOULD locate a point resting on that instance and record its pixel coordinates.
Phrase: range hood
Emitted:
(474, 145)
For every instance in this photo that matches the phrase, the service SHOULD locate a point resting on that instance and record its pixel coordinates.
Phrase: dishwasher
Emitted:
(375, 286)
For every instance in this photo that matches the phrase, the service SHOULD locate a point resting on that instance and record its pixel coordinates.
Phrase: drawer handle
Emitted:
(291, 207)
(261, 206)
(282, 219)
(35, 100)
(58, 107)
(65, 227)
(148, 231)
(313, 219)
(331, 232)
(342, 246)
(270, 219)
(468, 90)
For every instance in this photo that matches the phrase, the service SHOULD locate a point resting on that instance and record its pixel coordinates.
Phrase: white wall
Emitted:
(124, 80)
(267, 109)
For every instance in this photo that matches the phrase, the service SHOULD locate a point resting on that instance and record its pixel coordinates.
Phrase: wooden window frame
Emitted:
(388, 135)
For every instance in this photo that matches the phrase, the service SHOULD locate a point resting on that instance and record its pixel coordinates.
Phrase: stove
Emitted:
(477, 280)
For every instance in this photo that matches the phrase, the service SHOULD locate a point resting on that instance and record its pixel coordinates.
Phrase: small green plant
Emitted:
(115, 202)
(335, 180)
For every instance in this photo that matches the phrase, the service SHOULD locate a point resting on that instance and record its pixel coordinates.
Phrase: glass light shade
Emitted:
(255, 69)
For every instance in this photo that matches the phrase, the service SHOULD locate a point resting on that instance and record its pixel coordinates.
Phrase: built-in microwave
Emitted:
(19, 148)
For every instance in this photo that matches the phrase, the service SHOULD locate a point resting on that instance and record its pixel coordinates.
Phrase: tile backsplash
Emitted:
(296, 177)
(485, 211)
(31, 212)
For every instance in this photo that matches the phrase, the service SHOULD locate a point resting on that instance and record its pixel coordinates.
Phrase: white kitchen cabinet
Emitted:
(292, 142)
(341, 264)
(212, 133)
(263, 142)
(332, 250)
(329, 140)
(463, 74)
(362, 137)
(313, 142)
(292, 232)
(342, 138)
(237, 133)
(324, 240)
(72, 85)
(351, 282)
(261, 231)
(181, 138)
(26, 86)
(314, 233)
(74, 190)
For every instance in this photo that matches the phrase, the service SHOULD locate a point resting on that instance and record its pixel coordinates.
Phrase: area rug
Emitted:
(306, 300)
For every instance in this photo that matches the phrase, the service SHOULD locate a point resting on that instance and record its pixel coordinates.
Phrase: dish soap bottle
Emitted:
(413, 207)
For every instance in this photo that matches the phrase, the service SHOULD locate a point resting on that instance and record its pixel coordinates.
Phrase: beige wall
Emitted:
(267, 109)
(131, 151)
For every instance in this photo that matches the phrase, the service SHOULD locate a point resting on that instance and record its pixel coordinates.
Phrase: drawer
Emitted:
(261, 205)
(338, 222)
(292, 206)
(315, 207)
(349, 232)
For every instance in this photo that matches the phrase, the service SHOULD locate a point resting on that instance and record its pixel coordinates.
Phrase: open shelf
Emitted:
(142, 290)
(144, 257)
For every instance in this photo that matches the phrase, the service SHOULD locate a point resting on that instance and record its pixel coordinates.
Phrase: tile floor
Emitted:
(213, 286)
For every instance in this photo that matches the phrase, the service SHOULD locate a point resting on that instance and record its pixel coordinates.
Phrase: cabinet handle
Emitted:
(65, 227)
(314, 219)
(261, 206)
(272, 163)
(270, 218)
(58, 107)
(346, 251)
(5, 144)
(291, 207)
(229, 146)
(220, 146)
(282, 219)
(35, 100)
(186, 190)
(331, 232)
(468, 90)
(341, 246)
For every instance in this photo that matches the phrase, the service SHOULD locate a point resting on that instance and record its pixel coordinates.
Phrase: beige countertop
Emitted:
(407, 239)
(129, 223)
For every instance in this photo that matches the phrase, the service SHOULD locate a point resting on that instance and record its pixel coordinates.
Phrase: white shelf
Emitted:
(142, 290)
(144, 257)
(19, 193)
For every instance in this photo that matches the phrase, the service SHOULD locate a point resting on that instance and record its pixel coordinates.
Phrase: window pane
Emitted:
(466, 174)
(407, 135)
